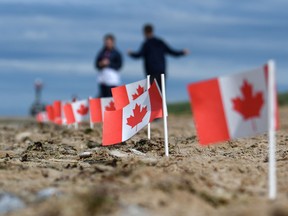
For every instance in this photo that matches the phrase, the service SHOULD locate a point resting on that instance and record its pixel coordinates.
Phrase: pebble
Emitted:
(21, 137)
(46, 193)
(10, 202)
(137, 152)
(130, 210)
(117, 153)
(85, 155)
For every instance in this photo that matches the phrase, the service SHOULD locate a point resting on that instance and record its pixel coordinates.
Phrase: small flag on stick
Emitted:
(237, 106)
(120, 125)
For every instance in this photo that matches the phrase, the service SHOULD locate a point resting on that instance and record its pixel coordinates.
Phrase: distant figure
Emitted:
(153, 50)
(108, 62)
(37, 105)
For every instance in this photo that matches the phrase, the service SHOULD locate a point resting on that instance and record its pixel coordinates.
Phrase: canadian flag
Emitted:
(123, 95)
(120, 125)
(232, 106)
(76, 112)
(98, 106)
(42, 117)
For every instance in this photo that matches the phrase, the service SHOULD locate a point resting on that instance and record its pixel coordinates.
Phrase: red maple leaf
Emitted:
(250, 104)
(138, 116)
(139, 91)
(83, 110)
(110, 107)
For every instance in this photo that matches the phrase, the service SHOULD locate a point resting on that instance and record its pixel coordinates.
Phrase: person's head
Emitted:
(148, 30)
(109, 41)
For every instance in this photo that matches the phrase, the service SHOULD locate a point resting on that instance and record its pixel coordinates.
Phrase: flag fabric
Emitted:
(42, 117)
(230, 107)
(69, 115)
(98, 106)
(120, 125)
(50, 113)
(76, 112)
(123, 95)
(57, 111)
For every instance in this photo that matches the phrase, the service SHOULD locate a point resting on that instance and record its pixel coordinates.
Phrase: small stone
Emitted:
(137, 152)
(133, 210)
(85, 155)
(21, 137)
(10, 202)
(46, 193)
(117, 153)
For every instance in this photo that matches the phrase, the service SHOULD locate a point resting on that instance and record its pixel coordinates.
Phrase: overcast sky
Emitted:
(57, 40)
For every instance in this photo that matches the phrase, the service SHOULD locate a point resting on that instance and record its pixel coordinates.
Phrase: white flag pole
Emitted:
(165, 114)
(76, 126)
(272, 128)
(91, 123)
(149, 127)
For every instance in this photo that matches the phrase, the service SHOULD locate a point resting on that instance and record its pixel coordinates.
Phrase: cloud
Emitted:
(35, 35)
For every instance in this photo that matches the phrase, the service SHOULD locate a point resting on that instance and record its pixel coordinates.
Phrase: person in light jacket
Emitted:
(109, 63)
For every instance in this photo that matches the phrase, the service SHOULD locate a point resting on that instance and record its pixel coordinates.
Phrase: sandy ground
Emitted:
(224, 179)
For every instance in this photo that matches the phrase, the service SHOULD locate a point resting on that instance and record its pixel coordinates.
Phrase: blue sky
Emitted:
(57, 40)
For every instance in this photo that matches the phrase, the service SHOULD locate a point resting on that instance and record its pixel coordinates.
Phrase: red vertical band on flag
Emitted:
(120, 97)
(155, 102)
(68, 111)
(57, 112)
(50, 113)
(95, 110)
(277, 119)
(208, 111)
(112, 127)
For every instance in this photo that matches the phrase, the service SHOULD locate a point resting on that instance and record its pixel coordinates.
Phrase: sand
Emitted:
(135, 178)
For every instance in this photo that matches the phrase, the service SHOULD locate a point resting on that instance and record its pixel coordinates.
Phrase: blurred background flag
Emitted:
(98, 106)
(50, 113)
(76, 112)
(42, 117)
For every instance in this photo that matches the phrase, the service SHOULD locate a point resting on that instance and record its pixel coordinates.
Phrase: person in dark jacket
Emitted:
(108, 62)
(153, 50)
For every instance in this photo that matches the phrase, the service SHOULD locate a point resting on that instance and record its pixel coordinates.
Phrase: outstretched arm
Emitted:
(173, 52)
(138, 54)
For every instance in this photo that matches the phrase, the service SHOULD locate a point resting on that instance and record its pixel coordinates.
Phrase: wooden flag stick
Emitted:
(91, 123)
(149, 127)
(272, 128)
(165, 114)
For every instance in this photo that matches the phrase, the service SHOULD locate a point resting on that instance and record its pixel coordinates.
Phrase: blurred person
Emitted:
(108, 62)
(153, 51)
